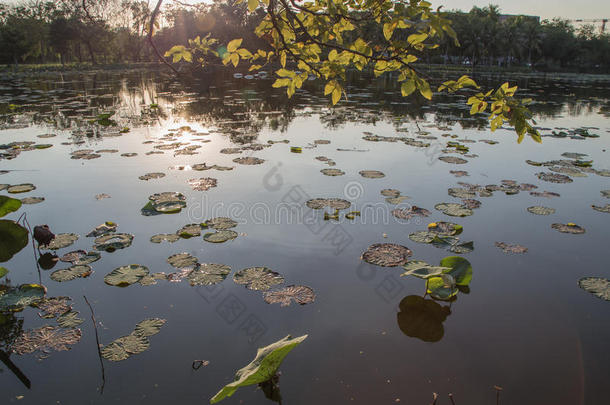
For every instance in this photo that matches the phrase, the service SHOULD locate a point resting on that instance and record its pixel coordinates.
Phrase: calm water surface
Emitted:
(525, 324)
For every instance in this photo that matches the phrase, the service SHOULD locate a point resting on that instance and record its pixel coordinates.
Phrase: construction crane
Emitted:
(603, 21)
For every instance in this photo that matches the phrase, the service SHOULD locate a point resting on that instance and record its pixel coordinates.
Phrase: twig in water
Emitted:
(498, 389)
(97, 340)
(451, 398)
(434, 397)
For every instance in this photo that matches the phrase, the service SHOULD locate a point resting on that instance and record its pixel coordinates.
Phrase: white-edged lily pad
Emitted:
(258, 278)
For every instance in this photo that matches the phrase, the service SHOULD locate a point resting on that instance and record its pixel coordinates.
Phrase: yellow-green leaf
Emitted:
(252, 5)
(234, 44)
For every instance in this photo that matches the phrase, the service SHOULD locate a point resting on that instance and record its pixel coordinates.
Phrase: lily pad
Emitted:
(250, 160)
(53, 306)
(445, 228)
(300, 294)
(164, 203)
(600, 287)
(453, 159)
(80, 257)
(421, 269)
(133, 344)
(103, 229)
(605, 208)
(203, 184)
(32, 200)
(61, 240)
(8, 205)
(509, 248)
(605, 193)
(208, 274)
(21, 188)
(15, 299)
(182, 260)
(471, 203)
(3, 271)
(113, 241)
(453, 209)
(126, 275)
(221, 223)
(408, 213)
(332, 172)
(169, 237)
(390, 192)
(545, 194)
(371, 174)
(71, 273)
(554, 177)
(150, 176)
(461, 269)
(386, 254)
(149, 327)
(422, 236)
(220, 236)
(461, 248)
(396, 200)
(114, 352)
(569, 228)
(334, 203)
(459, 173)
(189, 231)
(458, 192)
(262, 368)
(258, 278)
(69, 320)
(540, 210)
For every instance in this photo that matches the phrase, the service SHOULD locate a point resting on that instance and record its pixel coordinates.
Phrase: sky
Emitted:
(546, 9)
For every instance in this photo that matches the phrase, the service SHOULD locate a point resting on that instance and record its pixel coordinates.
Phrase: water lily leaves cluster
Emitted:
(103, 229)
(203, 183)
(444, 281)
(134, 343)
(164, 203)
(387, 254)
(264, 366)
(442, 235)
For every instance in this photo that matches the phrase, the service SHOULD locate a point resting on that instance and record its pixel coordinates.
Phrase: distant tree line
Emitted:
(115, 31)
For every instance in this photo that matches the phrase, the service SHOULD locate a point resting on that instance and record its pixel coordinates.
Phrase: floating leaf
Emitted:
(445, 228)
(459, 173)
(21, 188)
(126, 275)
(3, 271)
(208, 274)
(605, 193)
(299, 293)
(149, 327)
(113, 241)
(181, 260)
(453, 159)
(32, 200)
(422, 318)
(189, 231)
(250, 160)
(69, 320)
(61, 240)
(540, 210)
(102, 196)
(390, 192)
(203, 184)
(605, 208)
(221, 223)
(453, 209)
(8, 205)
(462, 248)
(334, 203)
(150, 176)
(441, 287)
(133, 344)
(220, 236)
(461, 269)
(80, 257)
(45, 339)
(471, 204)
(545, 194)
(408, 213)
(169, 237)
(17, 298)
(422, 236)
(458, 192)
(422, 269)
(262, 368)
(386, 254)
(600, 287)
(371, 174)
(396, 200)
(258, 278)
(554, 177)
(332, 172)
(568, 228)
(71, 273)
(508, 248)
(54, 306)
(103, 229)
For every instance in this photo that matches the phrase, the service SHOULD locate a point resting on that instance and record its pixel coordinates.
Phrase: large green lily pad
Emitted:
(461, 269)
(15, 299)
(386, 254)
(258, 278)
(126, 275)
(8, 205)
(208, 274)
(600, 287)
(71, 273)
(264, 366)
(13, 238)
(441, 287)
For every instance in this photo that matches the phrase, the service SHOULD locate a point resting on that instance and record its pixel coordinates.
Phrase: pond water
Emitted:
(523, 323)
